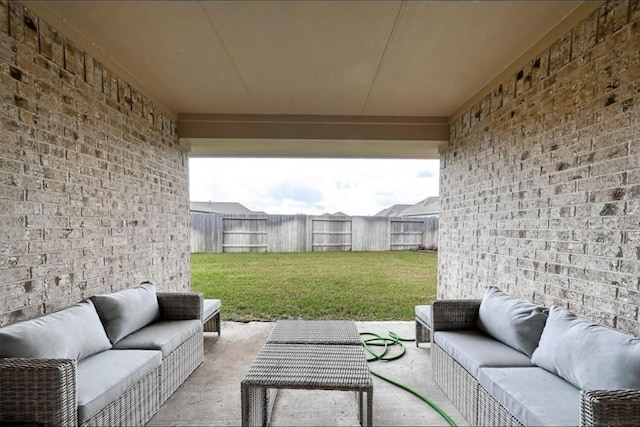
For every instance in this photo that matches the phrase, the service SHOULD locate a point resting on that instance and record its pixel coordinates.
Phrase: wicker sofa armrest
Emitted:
(39, 391)
(609, 407)
(454, 314)
(180, 305)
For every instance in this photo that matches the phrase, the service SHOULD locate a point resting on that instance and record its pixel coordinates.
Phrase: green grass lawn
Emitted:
(317, 285)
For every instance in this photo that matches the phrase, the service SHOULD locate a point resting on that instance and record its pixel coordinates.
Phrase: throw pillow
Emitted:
(127, 311)
(588, 355)
(515, 322)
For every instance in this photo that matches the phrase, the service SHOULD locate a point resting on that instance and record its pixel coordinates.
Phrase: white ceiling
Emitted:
(390, 58)
(355, 58)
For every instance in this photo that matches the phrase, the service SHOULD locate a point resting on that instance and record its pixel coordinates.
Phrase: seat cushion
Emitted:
(104, 377)
(423, 312)
(72, 333)
(127, 311)
(209, 307)
(515, 322)
(535, 396)
(588, 355)
(165, 335)
(473, 349)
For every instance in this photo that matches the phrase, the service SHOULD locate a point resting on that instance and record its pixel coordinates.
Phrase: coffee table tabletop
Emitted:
(341, 332)
(311, 367)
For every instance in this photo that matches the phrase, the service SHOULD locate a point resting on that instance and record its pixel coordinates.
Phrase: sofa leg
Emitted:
(213, 324)
(423, 333)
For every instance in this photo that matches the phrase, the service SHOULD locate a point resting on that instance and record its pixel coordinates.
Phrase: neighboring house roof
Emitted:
(220, 207)
(334, 214)
(393, 210)
(426, 207)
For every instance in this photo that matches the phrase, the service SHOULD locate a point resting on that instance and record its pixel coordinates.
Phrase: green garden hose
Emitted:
(395, 340)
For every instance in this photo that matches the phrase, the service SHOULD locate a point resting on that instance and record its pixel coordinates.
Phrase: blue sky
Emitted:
(313, 186)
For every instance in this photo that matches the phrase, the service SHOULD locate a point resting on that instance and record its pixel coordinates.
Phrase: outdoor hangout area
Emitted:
(527, 311)
(136, 356)
(228, 357)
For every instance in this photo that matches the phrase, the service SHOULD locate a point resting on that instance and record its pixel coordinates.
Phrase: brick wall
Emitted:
(540, 184)
(93, 184)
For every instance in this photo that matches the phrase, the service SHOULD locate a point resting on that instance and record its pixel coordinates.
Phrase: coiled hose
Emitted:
(386, 343)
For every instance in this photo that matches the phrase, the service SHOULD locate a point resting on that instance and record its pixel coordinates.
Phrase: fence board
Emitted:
(371, 233)
(331, 233)
(406, 234)
(287, 233)
(216, 233)
(244, 233)
(431, 232)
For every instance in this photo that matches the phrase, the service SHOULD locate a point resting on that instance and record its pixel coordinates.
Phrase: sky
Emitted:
(313, 186)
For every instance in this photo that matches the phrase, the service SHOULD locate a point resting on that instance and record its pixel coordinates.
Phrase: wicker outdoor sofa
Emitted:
(110, 360)
(508, 362)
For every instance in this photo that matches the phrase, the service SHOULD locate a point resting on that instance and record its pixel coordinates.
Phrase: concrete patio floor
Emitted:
(211, 395)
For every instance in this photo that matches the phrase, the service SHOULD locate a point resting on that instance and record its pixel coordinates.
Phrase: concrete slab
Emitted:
(211, 395)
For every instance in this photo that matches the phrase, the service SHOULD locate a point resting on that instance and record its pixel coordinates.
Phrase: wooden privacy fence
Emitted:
(215, 233)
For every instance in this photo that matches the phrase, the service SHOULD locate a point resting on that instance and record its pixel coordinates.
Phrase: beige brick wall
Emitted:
(540, 184)
(93, 184)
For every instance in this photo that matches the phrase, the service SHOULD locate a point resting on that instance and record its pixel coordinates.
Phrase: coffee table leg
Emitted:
(244, 402)
(270, 401)
(255, 405)
(370, 407)
(365, 413)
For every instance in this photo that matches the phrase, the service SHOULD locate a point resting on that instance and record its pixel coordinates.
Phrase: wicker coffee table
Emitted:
(343, 332)
(305, 366)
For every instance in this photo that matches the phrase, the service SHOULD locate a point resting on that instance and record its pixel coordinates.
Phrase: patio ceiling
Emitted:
(317, 78)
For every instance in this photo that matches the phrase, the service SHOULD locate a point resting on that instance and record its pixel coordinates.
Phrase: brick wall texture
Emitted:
(540, 183)
(93, 183)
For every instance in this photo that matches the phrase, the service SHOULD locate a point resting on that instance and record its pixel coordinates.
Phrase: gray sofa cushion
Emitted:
(534, 396)
(127, 311)
(473, 349)
(72, 333)
(423, 312)
(588, 355)
(165, 336)
(104, 377)
(513, 321)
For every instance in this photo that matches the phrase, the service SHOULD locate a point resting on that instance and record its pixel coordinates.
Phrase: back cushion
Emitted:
(72, 333)
(589, 356)
(515, 322)
(127, 311)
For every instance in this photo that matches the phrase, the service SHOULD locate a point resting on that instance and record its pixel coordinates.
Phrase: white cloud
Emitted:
(313, 186)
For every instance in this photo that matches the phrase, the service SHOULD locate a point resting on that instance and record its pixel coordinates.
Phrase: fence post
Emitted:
(424, 232)
(308, 229)
(217, 233)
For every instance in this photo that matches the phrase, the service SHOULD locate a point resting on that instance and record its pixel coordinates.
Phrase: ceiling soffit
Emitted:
(322, 59)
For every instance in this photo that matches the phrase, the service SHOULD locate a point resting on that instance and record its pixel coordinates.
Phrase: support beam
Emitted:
(226, 135)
